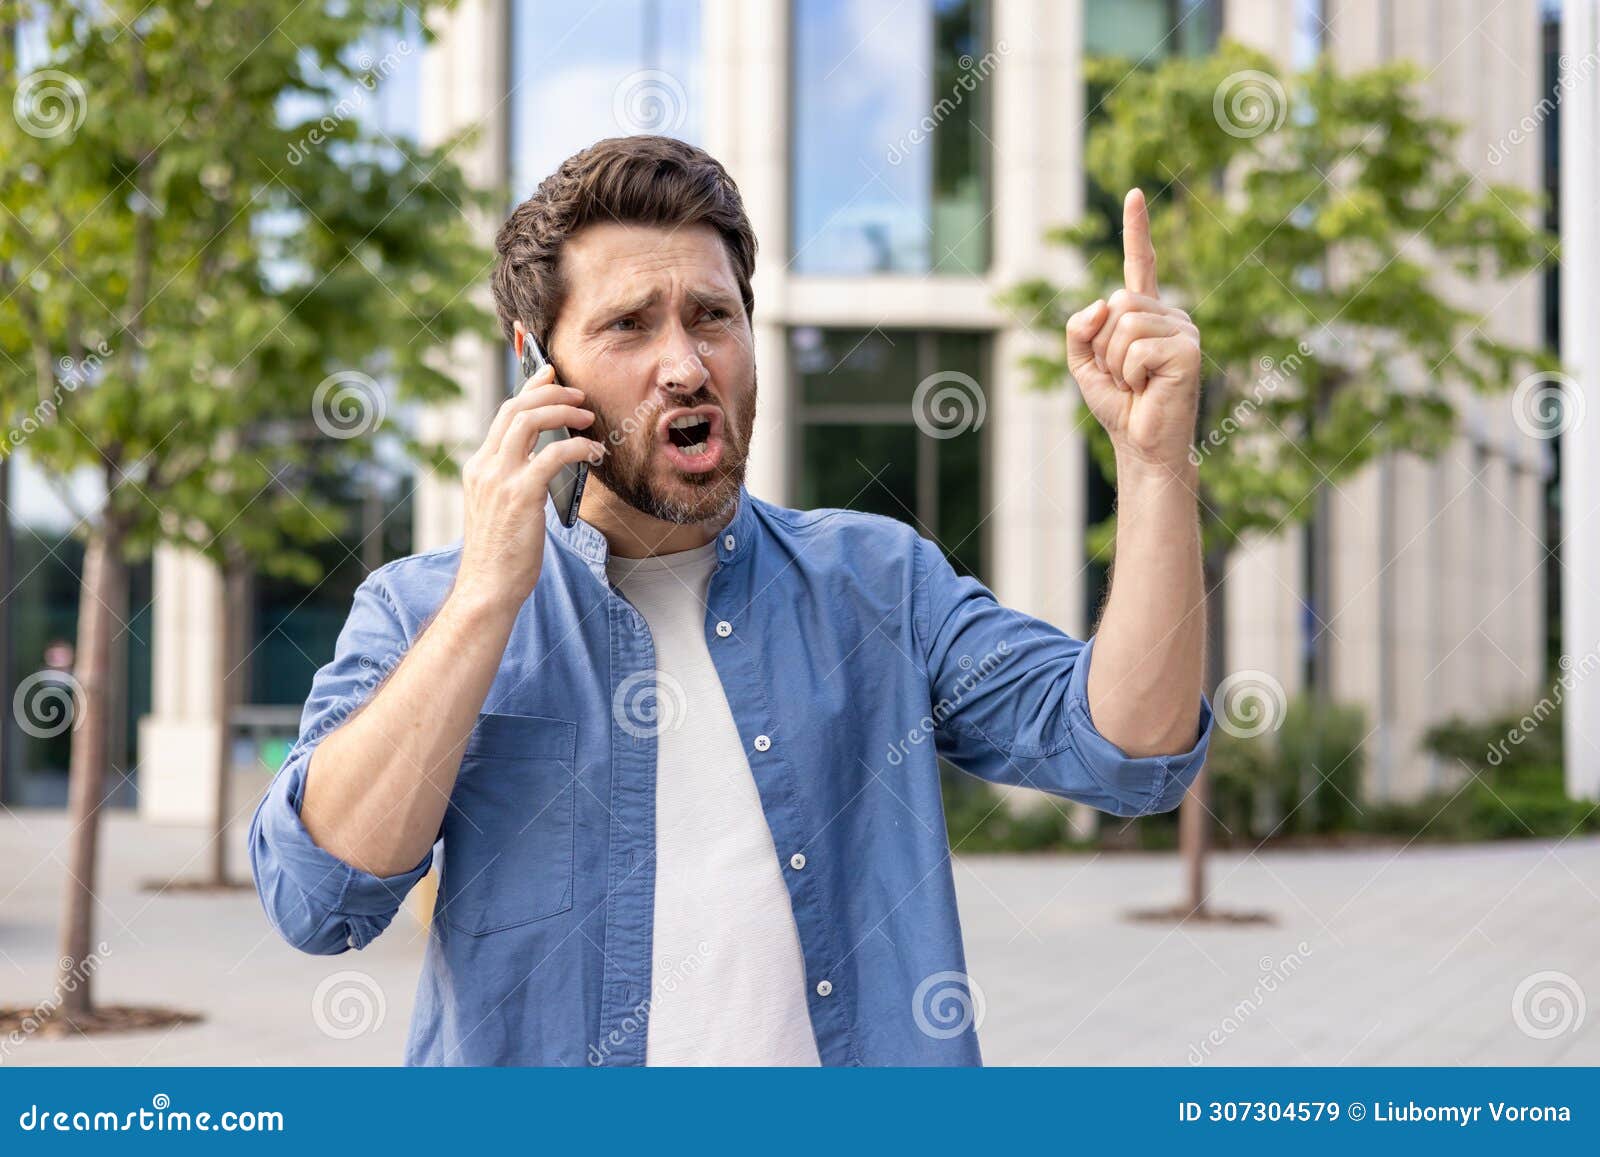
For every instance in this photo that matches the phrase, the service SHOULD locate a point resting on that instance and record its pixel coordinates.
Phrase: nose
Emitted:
(681, 366)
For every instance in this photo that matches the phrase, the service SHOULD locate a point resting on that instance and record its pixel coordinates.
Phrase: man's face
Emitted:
(653, 330)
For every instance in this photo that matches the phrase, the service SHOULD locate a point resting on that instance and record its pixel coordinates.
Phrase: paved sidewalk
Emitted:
(1410, 957)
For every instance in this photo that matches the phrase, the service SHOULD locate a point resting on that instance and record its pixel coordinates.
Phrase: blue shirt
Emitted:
(853, 657)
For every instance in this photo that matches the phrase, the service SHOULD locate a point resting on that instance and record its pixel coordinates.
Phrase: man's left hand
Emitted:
(1136, 360)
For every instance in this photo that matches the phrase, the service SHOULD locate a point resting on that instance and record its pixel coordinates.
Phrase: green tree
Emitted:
(207, 253)
(1308, 223)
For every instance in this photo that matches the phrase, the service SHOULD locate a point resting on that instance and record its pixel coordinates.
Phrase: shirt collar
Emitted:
(733, 540)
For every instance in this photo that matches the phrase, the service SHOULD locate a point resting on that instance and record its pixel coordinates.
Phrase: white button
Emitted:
(350, 940)
(724, 628)
(797, 861)
(824, 987)
(762, 743)
(727, 541)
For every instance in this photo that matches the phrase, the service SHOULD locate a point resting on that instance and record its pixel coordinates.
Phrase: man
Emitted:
(683, 756)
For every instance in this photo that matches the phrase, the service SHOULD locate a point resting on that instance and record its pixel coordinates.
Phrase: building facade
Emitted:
(901, 164)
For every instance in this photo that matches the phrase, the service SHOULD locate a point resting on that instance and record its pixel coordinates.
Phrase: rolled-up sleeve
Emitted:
(316, 901)
(1009, 701)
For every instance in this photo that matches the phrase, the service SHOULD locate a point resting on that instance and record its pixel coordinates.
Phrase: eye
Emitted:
(717, 315)
(628, 321)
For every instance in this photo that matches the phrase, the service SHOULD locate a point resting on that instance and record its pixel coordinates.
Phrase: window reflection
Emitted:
(584, 72)
(890, 155)
(862, 447)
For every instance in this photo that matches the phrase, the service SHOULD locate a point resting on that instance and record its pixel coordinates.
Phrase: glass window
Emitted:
(607, 68)
(890, 152)
(1153, 29)
(891, 422)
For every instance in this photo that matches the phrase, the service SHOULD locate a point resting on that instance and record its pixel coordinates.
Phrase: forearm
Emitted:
(377, 787)
(1145, 679)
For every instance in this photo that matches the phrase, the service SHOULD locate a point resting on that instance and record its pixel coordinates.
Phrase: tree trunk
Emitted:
(103, 573)
(1194, 814)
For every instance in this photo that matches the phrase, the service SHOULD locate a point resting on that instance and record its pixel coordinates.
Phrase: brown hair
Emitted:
(642, 180)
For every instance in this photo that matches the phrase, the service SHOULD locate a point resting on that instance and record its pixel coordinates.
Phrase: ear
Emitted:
(518, 330)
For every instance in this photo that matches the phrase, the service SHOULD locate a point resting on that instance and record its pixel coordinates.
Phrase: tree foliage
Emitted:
(202, 226)
(1317, 228)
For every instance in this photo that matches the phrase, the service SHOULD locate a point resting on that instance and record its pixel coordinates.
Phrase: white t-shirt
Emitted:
(727, 980)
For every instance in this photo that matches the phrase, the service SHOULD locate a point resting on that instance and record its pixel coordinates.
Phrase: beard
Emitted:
(636, 472)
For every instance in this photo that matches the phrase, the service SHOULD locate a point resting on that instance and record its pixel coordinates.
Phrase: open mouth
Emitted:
(691, 439)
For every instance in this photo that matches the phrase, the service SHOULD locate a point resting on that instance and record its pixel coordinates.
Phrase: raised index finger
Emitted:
(1138, 255)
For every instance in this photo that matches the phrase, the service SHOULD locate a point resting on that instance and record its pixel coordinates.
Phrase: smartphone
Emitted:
(566, 488)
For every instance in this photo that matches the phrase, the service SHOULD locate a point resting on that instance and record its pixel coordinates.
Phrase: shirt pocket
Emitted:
(509, 832)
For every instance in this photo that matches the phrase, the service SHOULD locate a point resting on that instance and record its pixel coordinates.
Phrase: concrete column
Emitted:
(746, 49)
(1037, 462)
(1580, 352)
(465, 81)
(177, 740)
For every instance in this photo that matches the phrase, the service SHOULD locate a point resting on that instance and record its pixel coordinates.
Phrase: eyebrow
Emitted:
(707, 297)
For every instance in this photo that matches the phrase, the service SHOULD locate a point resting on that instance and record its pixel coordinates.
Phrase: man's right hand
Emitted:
(506, 485)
